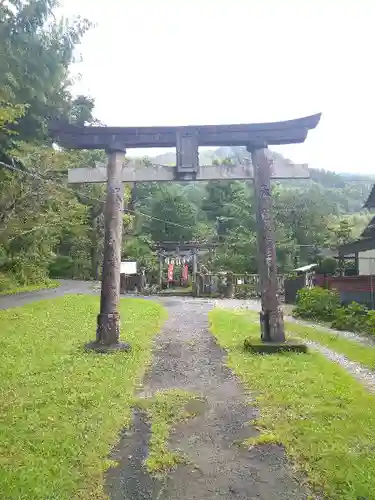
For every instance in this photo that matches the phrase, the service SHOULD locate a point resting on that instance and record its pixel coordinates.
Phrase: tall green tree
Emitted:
(170, 216)
(36, 52)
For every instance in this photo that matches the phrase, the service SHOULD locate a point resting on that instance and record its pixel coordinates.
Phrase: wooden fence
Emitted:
(244, 285)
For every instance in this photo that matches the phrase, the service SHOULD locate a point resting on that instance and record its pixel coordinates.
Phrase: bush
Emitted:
(321, 304)
(245, 292)
(66, 267)
(353, 318)
(7, 282)
(370, 323)
(317, 303)
(327, 266)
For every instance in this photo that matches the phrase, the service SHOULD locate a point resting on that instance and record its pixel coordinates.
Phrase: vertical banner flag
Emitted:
(170, 272)
(185, 274)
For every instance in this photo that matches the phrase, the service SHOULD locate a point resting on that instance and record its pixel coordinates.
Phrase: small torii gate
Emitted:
(166, 248)
(186, 140)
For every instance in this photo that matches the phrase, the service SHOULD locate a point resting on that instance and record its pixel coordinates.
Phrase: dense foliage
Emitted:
(50, 229)
(317, 304)
(320, 304)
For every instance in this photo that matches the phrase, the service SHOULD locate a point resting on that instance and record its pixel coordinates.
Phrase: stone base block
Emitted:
(259, 347)
(103, 348)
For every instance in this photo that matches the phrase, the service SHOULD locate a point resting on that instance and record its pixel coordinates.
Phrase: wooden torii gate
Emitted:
(175, 248)
(186, 140)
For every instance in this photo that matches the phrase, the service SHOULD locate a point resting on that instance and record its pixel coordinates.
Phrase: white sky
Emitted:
(175, 62)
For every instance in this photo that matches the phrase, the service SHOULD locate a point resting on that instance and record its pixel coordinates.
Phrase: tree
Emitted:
(37, 51)
(34, 212)
(172, 216)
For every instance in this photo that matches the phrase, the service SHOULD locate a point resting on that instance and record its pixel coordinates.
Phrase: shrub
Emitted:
(353, 318)
(317, 303)
(7, 282)
(66, 267)
(245, 292)
(370, 323)
(327, 266)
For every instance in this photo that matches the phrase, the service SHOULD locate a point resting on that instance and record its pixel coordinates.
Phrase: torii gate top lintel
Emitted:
(273, 133)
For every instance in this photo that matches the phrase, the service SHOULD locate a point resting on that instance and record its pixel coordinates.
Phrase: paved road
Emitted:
(66, 287)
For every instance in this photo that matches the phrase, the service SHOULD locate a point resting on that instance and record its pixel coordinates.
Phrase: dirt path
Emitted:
(187, 357)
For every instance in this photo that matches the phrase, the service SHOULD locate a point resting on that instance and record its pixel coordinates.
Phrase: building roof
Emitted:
(369, 231)
(365, 242)
(370, 202)
(306, 268)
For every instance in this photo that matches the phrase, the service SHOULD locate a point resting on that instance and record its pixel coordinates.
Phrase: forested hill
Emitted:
(349, 190)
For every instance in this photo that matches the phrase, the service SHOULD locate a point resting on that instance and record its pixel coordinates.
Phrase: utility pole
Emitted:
(108, 321)
(271, 316)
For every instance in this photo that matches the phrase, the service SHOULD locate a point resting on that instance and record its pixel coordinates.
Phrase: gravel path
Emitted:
(187, 357)
(363, 375)
(361, 339)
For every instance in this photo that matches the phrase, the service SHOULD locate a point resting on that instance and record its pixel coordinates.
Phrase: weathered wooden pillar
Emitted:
(271, 316)
(356, 263)
(194, 277)
(161, 260)
(108, 327)
(230, 286)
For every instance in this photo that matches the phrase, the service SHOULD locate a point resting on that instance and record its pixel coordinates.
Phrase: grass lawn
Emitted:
(30, 288)
(365, 355)
(350, 348)
(323, 417)
(61, 408)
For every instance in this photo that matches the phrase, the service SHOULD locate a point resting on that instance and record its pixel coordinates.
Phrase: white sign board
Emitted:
(128, 268)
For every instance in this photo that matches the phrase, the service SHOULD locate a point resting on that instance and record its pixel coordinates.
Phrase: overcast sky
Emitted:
(175, 62)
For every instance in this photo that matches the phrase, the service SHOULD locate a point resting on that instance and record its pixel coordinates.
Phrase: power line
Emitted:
(71, 191)
(157, 218)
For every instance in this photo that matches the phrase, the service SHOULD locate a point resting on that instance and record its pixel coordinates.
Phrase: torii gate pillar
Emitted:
(108, 325)
(271, 316)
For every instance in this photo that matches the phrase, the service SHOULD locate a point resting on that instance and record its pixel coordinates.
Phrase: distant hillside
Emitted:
(349, 190)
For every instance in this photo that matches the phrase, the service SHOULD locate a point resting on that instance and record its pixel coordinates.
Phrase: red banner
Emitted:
(170, 272)
(185, 273)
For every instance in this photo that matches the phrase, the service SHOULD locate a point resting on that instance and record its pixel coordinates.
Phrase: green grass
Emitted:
(30, 288)
(360, 353)
(263, 438)
(324, 418)
(61, 408)
(350, 348)
(165, 409)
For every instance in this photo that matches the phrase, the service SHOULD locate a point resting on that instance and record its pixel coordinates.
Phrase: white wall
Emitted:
(366, 262)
